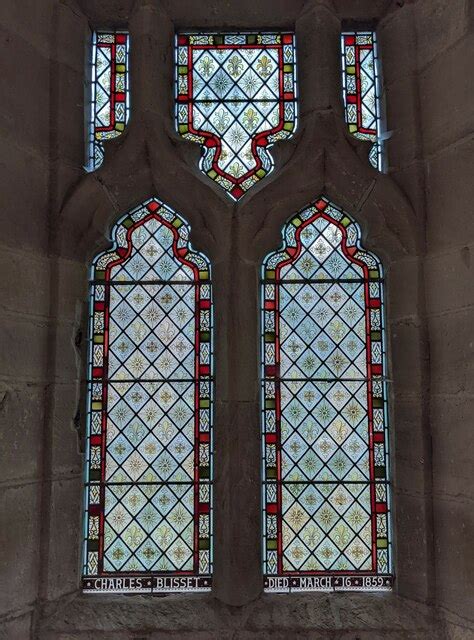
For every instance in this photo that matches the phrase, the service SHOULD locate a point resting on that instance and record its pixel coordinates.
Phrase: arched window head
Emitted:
(149, 443)
(236, 96)
(325, 442)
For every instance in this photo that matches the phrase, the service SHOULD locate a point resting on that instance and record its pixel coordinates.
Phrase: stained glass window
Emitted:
(109, 92)
(236, 96)
(325, 442)
(361, 90)
(148, 495)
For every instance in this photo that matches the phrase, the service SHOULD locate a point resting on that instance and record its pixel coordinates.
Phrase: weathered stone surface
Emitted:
(271, 13)
(67, 418)
(72, 291)
(449, 149)
(24, 285)
(72, 36)
(453, 440)
(16, 628)
(397, 43)
(446, 86)
(403, 284)
(450, 194)
(405, 339)
(19, 544)
(449, 279)
(70, 142)
(23, 203)
(54, 219)
(24, 84)
(238, 541)
(459, 630)
(361, 9)
(408, 445)
(404, 144)
(411, 181)
(64, 559)
(23, 347)
(21, 430)
(452, 352)
(318, 34)
(30, 20)
(243, 634)
(439, 25)
(312, 616)
(69, 337)
(412, 513)
(454, 519)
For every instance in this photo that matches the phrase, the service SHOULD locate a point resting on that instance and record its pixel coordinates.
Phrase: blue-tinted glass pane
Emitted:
(236, 96)
(361, 90)
(325, 439)
(149, 449)
(109, 92)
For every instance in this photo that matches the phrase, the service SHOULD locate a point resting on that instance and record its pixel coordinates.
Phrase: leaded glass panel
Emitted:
(149, 448)
(361, 90)
(109, 92)
(236, 96)
(325, 440)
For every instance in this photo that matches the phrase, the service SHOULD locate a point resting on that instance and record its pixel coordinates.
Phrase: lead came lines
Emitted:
(325, 495)
(150, 378)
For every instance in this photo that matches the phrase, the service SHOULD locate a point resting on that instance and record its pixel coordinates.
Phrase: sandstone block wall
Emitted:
(418, 218)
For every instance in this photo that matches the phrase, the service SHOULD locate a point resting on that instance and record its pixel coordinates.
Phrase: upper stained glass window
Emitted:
(236, 96)
(326, 497)
(361, 90)
(109, 92)
(148, 500)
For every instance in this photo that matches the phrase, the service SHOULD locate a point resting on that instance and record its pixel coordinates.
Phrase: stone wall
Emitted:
(431, 156)
(25, 144)
(417, 218)
(446, 88)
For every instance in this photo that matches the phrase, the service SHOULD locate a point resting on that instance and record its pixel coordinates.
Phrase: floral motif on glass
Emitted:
(326, 498)
(109, 93)
(148, 525)
(361, 90)
(236, 96)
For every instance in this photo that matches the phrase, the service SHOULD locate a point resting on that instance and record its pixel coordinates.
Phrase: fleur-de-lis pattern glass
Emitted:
(148, 524)
(109, 93)
(361, 90)
(236, 96)
(325, 441)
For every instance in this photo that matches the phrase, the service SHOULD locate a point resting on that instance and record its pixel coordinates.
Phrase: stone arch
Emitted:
(322, 158)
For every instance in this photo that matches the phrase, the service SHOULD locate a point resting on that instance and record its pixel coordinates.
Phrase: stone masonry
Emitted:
(418, 217)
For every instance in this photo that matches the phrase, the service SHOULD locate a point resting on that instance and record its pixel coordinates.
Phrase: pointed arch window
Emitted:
(326, 496)
(148, 489)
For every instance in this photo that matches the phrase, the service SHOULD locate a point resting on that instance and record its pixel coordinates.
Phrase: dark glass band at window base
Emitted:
(328, 583)
(151, 584)
(124, 311)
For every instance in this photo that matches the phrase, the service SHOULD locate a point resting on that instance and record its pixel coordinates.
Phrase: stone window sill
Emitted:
(356, 615)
